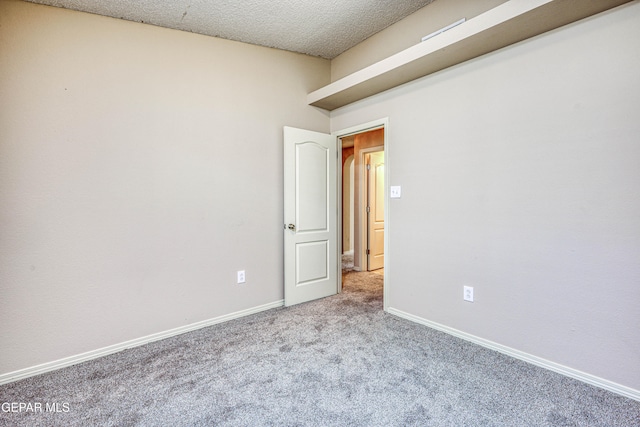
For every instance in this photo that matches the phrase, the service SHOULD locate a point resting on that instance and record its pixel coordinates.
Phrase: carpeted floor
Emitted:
(340, 361)
(347, 261)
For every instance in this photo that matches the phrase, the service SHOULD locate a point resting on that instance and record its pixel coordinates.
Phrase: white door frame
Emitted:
(375, 124)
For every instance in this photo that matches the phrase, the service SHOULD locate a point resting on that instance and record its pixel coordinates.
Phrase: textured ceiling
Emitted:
(324, 28)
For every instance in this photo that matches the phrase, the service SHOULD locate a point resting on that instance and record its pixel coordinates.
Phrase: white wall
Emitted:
(140, 167)
(520, 176)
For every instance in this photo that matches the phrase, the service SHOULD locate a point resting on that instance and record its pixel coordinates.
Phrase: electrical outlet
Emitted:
(241, 277)
(468, 293)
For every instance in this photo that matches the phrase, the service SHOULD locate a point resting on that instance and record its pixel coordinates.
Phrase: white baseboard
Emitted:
(94, 354)
(534, 360)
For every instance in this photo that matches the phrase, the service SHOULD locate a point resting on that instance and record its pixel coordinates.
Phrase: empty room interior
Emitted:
(142, 168)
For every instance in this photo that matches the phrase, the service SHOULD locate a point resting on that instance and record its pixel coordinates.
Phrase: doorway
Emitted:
(363, 186)
(363, 229)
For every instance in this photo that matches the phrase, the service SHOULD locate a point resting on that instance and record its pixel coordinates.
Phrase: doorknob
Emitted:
(291, 227)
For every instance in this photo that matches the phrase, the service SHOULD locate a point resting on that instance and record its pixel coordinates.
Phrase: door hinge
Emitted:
(368, 251)
(368, 209)
(368, 167)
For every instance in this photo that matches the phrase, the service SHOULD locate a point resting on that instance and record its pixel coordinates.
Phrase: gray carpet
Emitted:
(347, 262)
(340, 361)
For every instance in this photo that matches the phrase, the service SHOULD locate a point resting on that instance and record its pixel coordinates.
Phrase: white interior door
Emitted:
(375, 210)
(310, 215)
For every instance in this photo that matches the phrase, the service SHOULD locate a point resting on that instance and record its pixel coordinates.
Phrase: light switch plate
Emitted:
(395, 191)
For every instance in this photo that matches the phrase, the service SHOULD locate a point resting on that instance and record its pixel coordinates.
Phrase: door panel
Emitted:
(311, 189)
(376, 210)
(313, 262)
(310, 213)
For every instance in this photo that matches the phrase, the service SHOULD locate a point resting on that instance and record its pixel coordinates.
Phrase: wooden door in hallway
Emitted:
(375, 210)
